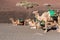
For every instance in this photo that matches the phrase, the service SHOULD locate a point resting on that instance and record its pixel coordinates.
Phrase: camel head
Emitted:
(10, 18)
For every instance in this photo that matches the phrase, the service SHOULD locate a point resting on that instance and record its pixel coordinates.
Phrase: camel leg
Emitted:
(45, 25)
(58, 30)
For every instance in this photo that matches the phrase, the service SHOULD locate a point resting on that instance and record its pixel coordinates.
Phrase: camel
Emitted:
(45, 16)
(15, 22)
(42, 17)
(32, 24)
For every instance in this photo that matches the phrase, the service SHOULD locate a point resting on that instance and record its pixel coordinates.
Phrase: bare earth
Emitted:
(10, 32)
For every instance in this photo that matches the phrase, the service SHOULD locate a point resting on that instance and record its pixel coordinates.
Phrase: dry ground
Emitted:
(10, 32)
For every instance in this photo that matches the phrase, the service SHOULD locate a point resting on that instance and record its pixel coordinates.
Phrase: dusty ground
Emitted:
(10, 32)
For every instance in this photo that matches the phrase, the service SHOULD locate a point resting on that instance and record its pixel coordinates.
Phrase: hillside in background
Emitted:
(9, 9)
(11, 4)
